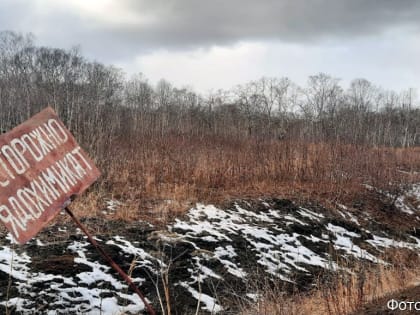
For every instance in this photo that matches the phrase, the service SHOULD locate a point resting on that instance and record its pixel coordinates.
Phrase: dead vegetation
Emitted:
(161, 180)
(344, 292)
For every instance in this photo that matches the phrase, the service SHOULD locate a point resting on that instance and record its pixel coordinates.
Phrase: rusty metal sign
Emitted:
(41, 167)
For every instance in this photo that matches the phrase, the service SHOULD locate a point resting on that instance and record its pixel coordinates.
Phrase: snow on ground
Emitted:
(402, 201)
(344, 241)
(209, 249)
(385, 242)
(208, 302)
(95, 291)
(278, 253)
(269, 236)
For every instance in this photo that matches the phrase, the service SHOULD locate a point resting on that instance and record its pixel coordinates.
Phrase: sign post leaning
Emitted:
(41, 168)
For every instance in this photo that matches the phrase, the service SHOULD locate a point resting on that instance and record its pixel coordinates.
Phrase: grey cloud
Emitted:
(191, 22)
(185, 24)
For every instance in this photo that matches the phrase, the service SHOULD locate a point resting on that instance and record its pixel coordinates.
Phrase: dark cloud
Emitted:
(191, 22)
(184, 24)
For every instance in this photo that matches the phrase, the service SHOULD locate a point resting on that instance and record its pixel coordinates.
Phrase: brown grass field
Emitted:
(160, 178)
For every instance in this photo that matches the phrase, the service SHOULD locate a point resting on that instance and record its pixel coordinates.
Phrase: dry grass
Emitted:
(154, 177)
(343, 293)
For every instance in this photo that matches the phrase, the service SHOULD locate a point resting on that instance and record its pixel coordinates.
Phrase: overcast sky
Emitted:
(220, 43)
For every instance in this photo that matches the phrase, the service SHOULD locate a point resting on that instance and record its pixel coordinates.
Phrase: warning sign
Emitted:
(41, 167)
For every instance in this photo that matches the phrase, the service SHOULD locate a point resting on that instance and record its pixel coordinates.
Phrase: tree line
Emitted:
(99, 104)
